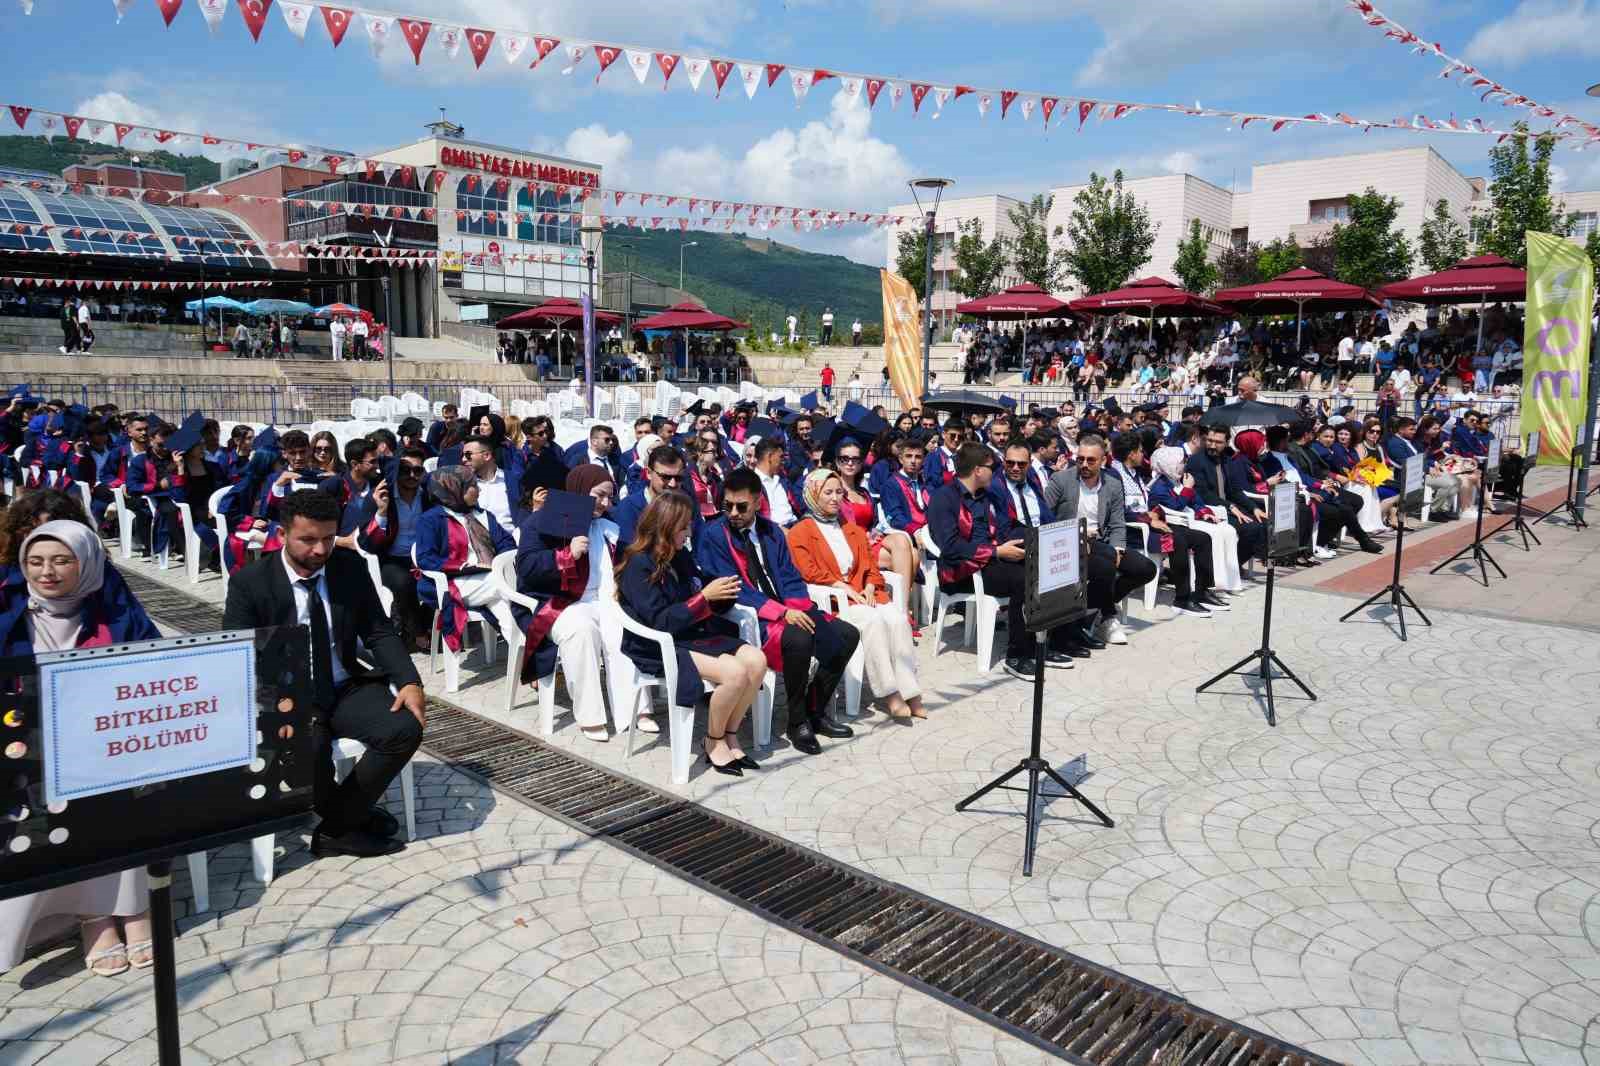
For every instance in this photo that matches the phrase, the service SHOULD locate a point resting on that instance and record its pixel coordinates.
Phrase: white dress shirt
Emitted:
(833, 533)
(1024, 491)
(493, 497)
(302, 611)
(777, 499)
(1089, 506)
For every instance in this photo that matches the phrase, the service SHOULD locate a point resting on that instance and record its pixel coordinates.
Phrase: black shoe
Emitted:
(1086, 637)
(356, 842)
(1058, 660)
(1213, 602)
(731, 769)
(380, 823)
(1190, 607)
(822, 727)
(804, 739)
(1371, 547)
(1074, 648)
(1021, 668)
(745, 762)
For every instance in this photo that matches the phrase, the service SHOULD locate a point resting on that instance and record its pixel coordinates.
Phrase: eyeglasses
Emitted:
(408, 470)
(1015, 464)
(852, 459)
(739, 508)
(670, 479)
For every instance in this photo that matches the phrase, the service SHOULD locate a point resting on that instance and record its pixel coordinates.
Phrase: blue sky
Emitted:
(1284, 56)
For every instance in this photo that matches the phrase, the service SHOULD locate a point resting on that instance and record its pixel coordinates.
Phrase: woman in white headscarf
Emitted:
(62, 594)
(1172, 494)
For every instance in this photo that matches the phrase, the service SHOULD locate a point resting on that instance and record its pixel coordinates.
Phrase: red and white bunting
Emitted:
(750, 74)
(720, 69)
(415, 32)
(575, 55)
(213, 10)
(851, 87)
(897, 92)
(694, 68)
(874, 87)
(639, 63)
(918, 91)
(800, 81)
(254, 13)
(295, 16)
(543, 46)
(378, 28)
(121, 5)
(337, 19)
(667, 62)
(449, 41)
(605, 55)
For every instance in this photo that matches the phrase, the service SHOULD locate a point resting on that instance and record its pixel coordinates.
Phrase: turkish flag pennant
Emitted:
(416, 35)
(1047, 105)
(917, 93)
(337, 20)
(254, 13)
(819, 75)
(773, 70)
(544, 46)
(1006, 98)
(874, 87)
(123, 129)
(213, 10)
(163, 136)
(169, 9)
(73, 124)
(720, 69)
(668, 62)
(479, 43)
(297, 17)
(605, 55)
(962, 90)
(1084, 108)
(20, 114)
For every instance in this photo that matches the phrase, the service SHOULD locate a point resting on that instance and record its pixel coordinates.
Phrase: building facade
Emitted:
(992, 216)
(1174, 202)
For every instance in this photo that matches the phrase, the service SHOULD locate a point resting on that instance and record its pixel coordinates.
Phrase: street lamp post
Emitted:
(591, 232)
(936, 187)
(1588, 414)
(681, 247)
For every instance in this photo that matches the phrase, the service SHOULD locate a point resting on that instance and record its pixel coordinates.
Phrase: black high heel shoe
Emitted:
(731, 768)
(747, 763)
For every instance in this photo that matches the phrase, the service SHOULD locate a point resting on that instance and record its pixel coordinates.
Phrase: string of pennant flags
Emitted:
(1467, 75)
(123, 284)
(767, 216)
(432, 40)
(289, 250)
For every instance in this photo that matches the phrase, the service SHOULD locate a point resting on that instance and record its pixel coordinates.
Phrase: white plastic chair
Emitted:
(191, 544)
(414, 403)
(124, 522)
(86, 497)
(219, 522)
(979, 621)
(930, 575)
(385, 596)
(436, 644)
(505, 576)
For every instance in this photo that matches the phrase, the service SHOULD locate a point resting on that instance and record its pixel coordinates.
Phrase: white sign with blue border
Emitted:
(116, 721)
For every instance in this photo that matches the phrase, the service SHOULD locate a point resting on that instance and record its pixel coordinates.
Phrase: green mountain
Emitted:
(754, 279)
(53, 156)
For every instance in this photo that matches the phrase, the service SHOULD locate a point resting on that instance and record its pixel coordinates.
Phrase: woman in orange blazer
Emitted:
(837, 555)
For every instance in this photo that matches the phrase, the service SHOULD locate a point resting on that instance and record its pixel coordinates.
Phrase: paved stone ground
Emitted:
(501, 936)
(1403, 871)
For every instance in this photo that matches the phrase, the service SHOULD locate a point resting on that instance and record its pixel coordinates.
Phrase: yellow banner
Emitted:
(902, 339)
(1555, 346)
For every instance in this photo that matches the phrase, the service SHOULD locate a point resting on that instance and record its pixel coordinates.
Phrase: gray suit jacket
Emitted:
(1061, 496)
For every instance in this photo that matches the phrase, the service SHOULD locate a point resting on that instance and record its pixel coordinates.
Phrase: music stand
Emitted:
(1580, 454)
(1056, 593)
(1412, 474)
(1519, 524)
(1283, 541)
(1480, 553)
(53, 842)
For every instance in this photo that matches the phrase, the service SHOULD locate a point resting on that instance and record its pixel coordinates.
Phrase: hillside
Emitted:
(754, 279)
(36, 153)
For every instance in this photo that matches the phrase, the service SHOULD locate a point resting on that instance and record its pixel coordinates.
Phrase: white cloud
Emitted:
(1538, 28)
(596, 144)
(1180, 162)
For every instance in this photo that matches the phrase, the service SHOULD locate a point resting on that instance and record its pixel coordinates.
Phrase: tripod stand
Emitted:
(1480, 554)
(1568, 506)
(1399, 598)
(1265, 655)
(1035, 766)
(1518, 524)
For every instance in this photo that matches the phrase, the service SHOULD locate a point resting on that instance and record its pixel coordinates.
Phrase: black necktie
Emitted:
(1022, 497)
(321, 648)
(757, 570)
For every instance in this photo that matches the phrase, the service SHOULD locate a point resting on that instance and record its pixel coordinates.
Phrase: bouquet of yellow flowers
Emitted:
(1371, 472)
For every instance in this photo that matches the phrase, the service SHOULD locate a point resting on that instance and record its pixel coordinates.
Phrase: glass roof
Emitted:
(115, 225)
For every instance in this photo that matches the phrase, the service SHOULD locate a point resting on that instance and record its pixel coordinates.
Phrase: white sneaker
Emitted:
(1110, 630)
(1320, 552)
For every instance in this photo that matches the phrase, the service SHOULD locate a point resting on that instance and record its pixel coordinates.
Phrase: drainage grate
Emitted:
(1069, 1006)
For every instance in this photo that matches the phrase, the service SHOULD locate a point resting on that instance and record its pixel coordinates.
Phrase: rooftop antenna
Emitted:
(445, 128)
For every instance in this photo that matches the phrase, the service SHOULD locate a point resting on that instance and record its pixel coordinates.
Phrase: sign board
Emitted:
(116, 721)
(1530, 456)
(1283, 518)
(1411, 480)
(258, 681)
(1491, 465)
(1055, 574)
(474, 312)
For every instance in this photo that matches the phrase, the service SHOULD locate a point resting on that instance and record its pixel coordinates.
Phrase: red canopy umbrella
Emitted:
(1293, 290)
(1480, 278)
(690, 315)
(556, 311)
(1019, 301)
(1158, 296)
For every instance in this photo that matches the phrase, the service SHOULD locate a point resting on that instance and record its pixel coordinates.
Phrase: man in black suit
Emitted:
(330, 591)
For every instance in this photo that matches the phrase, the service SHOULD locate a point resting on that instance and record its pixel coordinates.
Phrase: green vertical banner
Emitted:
(1555, 348)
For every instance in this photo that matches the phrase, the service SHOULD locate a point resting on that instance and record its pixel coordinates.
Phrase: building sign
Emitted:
(506, 166)
(450, 268)
(120, 721)
(474, 312)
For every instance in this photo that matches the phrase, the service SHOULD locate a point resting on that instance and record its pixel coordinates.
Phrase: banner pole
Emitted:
(1588, 430)
(165, 970)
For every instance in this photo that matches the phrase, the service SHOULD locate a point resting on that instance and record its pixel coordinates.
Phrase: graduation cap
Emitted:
(564, 514)
(839, 432)
(1049, 413)
(17, 392)
(808, 402)
(773, 407)
(788, 418)
(475, 415)
(267, 440)
(187, 435)
(860, 418)
(760, 427)
(411, 427)
(751, 405)
(1008, 402)
(696, 409)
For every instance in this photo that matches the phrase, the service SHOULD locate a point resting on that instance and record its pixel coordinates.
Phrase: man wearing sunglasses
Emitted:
(665, 471)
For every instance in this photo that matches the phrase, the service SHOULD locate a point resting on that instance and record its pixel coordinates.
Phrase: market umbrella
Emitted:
(1293, 291)
(1157, 296)
(1251, 413)
(962, 401)
(1480, 278)
(214, 303)
(341, 310)
(1020, 301)
(269, 306)
(557, 311)
(687, 316)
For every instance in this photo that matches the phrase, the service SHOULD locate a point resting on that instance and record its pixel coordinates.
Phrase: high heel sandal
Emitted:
(729, 768)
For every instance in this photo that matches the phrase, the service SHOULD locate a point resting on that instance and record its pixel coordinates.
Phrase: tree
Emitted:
(1109, 235)
(1592, 247)
(1193, 265)
(1239, 265)
(1031, 255)
(1368, 250)
(1320, 256)
(978, 264)
(1442, 242)
(1519, 195)
(911, 259)
(1280, 256)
